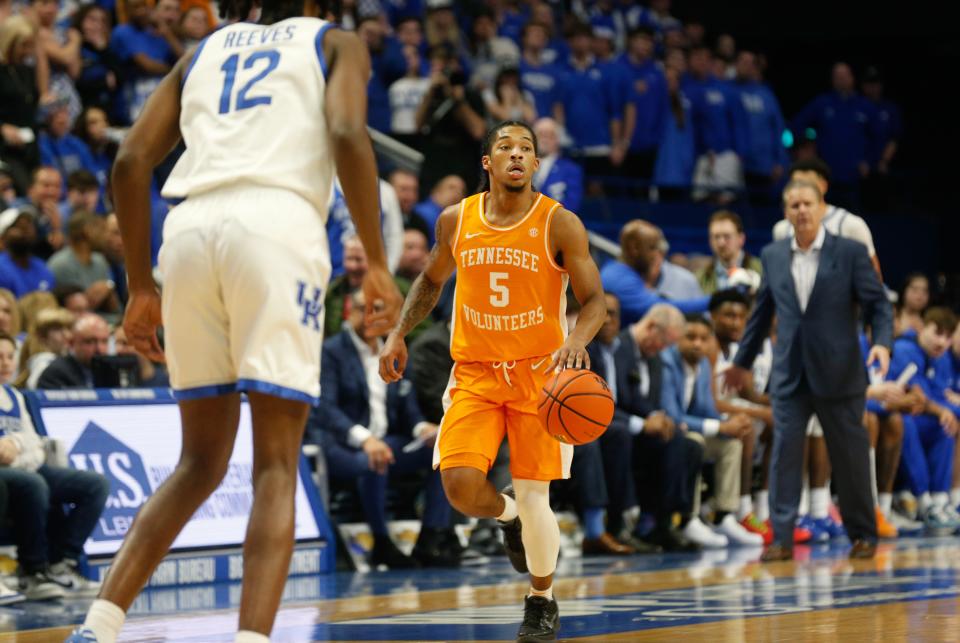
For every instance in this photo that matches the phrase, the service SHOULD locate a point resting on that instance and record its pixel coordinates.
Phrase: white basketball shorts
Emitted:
(244, 272)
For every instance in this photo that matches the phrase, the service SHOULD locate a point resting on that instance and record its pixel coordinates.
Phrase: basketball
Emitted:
(575, 406)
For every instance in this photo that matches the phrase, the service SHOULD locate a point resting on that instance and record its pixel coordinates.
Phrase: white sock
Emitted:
(873, 474)
(246, 636)
(885, 500)
(955, 496)
(509, 509)
(924, 502)
(543, 593)
(746, 507)
(820, 502)
(804, 507)
(105, 620)
(763, 505)
(940, 499)
(541, 533)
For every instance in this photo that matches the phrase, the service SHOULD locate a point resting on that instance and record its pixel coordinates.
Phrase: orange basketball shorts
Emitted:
(487, 400)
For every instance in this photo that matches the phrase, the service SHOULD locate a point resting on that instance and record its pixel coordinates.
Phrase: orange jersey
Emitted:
(510, 300)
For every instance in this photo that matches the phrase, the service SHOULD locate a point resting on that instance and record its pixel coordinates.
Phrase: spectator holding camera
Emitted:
(451, 119)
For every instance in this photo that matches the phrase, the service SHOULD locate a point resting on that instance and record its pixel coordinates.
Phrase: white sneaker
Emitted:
(904, 524)
(9, 596)
(71, 580)
(702, 535)
(737, 534)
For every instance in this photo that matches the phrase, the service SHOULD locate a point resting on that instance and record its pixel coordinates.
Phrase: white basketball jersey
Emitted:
(762, 366)
(252, 112)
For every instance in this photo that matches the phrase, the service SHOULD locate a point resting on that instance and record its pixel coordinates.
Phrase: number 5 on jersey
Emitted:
(229, 68)
(501, 296)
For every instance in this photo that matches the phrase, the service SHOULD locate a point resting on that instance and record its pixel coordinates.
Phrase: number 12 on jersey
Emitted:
(229, 68)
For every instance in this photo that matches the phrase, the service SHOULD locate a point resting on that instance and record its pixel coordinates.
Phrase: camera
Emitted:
(455, 76)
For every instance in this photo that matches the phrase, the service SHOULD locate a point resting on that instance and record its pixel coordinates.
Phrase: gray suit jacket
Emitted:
(820, 343)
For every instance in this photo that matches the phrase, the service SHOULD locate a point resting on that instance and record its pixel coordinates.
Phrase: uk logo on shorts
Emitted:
(312, 306)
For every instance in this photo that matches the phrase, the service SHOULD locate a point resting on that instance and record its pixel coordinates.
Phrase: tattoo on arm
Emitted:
(423, 296)
(424, 293)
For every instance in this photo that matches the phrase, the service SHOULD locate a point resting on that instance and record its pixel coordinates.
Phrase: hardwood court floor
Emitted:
(909, 593)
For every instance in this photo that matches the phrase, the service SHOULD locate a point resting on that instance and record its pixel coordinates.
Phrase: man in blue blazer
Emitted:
(363, 424)
(816, 284)
(687, 397)
(665, 464)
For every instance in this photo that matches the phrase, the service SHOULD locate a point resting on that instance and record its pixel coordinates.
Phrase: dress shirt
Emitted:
(711, 426)
(804, 266)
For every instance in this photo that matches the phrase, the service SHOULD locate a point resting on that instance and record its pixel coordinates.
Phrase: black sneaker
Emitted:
(433, 549)
(512, 541)
(384, 552)
(541, 620)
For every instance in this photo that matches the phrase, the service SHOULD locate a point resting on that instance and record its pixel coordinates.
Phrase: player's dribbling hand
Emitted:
(573, 354)
(383, 300)
(141, 321)
(393, 358)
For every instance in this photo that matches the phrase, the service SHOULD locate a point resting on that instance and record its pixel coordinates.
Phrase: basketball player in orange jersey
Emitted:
(514, 251)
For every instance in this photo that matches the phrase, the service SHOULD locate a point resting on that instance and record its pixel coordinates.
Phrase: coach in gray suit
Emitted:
(814, 282)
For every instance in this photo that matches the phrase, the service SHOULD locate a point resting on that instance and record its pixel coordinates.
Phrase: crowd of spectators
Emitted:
(619, 93)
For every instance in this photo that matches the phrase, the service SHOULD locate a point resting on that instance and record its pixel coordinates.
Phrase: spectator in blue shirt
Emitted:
(83, 194)
(61, 149)
(21, 271)
(448, 190)
(929, 438)
(761, 127)
(673, 172)
(603, 47)
(559, 178)
(889, 126)
(668, 279)
(386, 66)
(513, 16)
(537, 76)
(93, 128)
(719, 171)
(647, 103)
(592, 105)
(607, 19)
(43, 196)
(879, 192)
(948, 372)
(145, 54)
(97, 82)
(628, 277)
(488, 52)
(845, 126)
(656, 17)
(557, 49)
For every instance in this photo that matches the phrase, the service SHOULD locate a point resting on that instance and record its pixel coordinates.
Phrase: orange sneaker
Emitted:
(756, 526)
(800, 535)
(884, 528)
